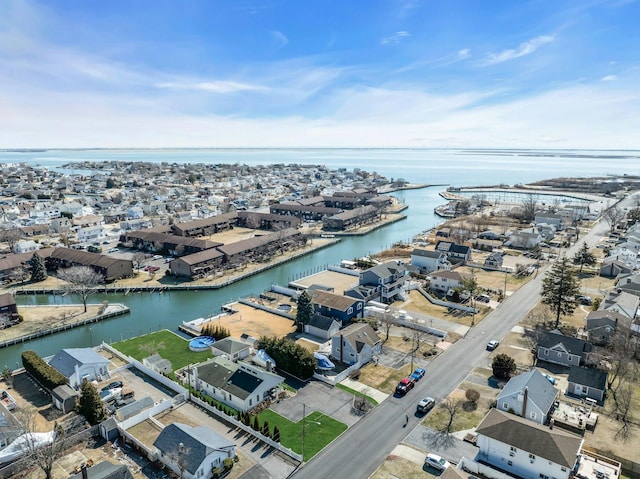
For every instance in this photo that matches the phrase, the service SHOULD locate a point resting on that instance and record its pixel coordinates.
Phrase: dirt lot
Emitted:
(338, 281)
(419, 304)
(255, 322)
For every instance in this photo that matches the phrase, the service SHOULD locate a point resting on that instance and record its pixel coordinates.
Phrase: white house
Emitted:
(446, 280)
(428, 260)
(193, 452)
(239, 385)
(78, 364)
(91, 234)
(357, 343)
(232, 349)
(25, 246)
(526, 449)
(624, 303)
(322, 326)
(529, 395)
(553, 219)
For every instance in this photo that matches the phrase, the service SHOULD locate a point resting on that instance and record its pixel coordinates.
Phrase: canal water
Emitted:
(154, 311)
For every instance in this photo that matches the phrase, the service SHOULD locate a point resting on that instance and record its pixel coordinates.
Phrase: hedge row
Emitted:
(46, 375)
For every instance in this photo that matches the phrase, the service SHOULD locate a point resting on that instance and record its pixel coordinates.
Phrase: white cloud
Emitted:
(395, 38)
(525, 48)
(464, 53)
(212, 86)
(609, 78)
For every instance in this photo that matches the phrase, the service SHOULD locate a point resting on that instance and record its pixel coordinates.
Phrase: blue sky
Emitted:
(320, 73)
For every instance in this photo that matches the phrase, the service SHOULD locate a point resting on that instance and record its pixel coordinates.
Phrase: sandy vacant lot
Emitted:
(255, 322)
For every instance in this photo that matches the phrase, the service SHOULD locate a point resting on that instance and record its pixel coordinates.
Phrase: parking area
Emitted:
(140, 383)
(317, 396)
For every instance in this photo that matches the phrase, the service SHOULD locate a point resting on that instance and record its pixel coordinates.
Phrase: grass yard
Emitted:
(468, 416)
(165, 343)
(419, 304)
(320, 430)
(396, 466)
(357, 393)
(383, 378)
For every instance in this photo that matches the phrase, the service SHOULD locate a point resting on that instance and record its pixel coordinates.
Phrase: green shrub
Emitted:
(228, 464)
(289, 356)
(46, 375)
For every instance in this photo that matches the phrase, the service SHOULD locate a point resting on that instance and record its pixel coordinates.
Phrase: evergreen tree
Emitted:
(90, 404)
(265, 429)
(305, 310)
(38, 269)
(584, 256)
(256, 423)
(503, 366)
(560, 287)
(276, 434)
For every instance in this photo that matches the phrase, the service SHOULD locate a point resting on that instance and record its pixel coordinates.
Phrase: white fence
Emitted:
(477, 468)
(446, 304)
(341, 376)
(339, 269)
(422, 327)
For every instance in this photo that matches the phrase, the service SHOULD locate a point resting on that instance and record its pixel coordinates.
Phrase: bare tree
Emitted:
(613, 215)
(387, 320)
(253, 221)
(139, 259)
(442, 436)
(179, 250)
(10, 234)
(81, 280)
(42, 449)
(529, 208)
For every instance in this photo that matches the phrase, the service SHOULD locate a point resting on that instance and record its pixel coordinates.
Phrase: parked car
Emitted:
(157, 256)
(404, 386)
(483, 298)
(436, 462)
(426, 405)
(108, 395)
(585, 300)
(418, 374)
(493, 344)
(113, 250)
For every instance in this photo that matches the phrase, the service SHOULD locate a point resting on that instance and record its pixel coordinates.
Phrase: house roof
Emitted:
(539, 390)
(228, 376)
(6, 300)
(196, 442)
(67, 359)
(64, 392)
(549, 339)
(134, 408)
(213, 220)
(603, 317)
(593, 378)
(387, 269)
(449, 247)
(449, 275)
(554, 445)
(359, 334)
(105, 470)
(332, 300)
(426, 253)
(230, 345)
(322, 322)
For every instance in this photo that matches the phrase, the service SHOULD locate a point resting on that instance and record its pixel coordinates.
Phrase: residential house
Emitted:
(548, 218)
(232, 349)
(8, 307)
(78, 364)
(554, 347)
(612, 267)
(629, 283)
(455, 252)
(524, 240)
(384, 282)
(10, 427)
(338, 306)
(103, 470)
(109, 267)
(621, 302)
(357, 343)
(193, 452)
(587, 383)
(322, 326)
(428, 261)
(25, 246)
(444, 281)
(529, 395)
(494, 260)
(91, 234)
(547, 232)
(525, 449)
(602, 324)
(239, 385)
(352, 218)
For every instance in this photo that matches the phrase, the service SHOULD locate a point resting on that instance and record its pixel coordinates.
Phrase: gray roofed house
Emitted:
(239, 385)
(554, 347)
(621, 302)
(134, 408)
(105, 470)
(526, 449)
(428, 260)
(77, 364)
(587, 382)
(602, 324)
(196, 450)
(232, 349)
(529, 395)
(357, 343)
(322, 326)
(454, 250)
(64, 398)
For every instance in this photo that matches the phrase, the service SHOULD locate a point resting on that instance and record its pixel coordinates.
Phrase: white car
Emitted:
(436, 462)
(493, 344)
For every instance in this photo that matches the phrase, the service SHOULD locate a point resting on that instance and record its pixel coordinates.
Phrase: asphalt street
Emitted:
(363, 447)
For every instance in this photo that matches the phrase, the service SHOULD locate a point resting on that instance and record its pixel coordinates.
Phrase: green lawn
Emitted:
(165, 343)
(319, 430)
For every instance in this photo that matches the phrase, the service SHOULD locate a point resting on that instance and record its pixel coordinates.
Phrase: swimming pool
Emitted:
(201, 343)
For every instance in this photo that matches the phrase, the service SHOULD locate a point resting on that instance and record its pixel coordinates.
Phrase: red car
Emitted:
(405, 386)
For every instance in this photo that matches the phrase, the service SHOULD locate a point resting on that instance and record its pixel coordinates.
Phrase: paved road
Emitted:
(363, 447)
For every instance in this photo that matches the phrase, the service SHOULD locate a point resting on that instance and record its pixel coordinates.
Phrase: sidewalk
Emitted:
(379, 396)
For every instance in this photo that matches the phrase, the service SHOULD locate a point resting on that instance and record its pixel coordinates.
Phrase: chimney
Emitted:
(551, 423)
(524, 402)
(83, 469)
(269, 366)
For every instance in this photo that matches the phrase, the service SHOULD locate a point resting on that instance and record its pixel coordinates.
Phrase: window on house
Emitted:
(532, 415)
(546, 352)
(513, 449)
(350, 311)
(559, 354)
(250, 402)
(505, 406)
(509, 463)
(532, 457)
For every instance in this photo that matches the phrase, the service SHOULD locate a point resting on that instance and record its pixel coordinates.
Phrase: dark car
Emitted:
(404, 386)
(112, 385)
(418, 374)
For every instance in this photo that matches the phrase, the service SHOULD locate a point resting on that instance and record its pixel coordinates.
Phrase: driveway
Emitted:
(317, 396)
